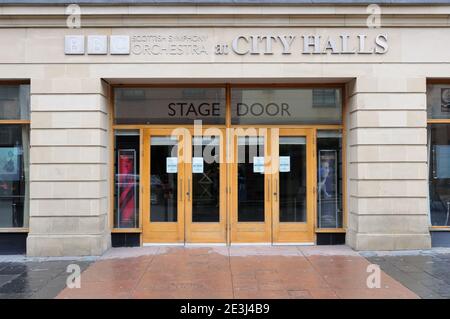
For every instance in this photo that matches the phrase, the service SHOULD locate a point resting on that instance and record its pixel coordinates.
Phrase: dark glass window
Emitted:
(164, 179)
(438, 101)
(250, 179)
(14, 156)
(292, 182)
(126, 179)
(329, 179)
(206, 179)
(439, 165)
(14, 176)
(286, 106)
(169, 105)
(15, 102)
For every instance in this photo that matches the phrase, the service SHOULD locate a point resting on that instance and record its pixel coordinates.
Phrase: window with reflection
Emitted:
(251, 172)
(126, 179)
(438, 101)
(169, 105)
(329, 179)
(286, 106)
(14, 156)
(439, 174)
(292, 181)
(205, 179)
(438, 108)
(164, 179)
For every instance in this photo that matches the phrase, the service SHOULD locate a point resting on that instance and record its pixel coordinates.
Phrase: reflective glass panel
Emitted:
(205, 179)
(292, 179)
(439, 164)
(329, 179)
(126, 179)
(15, 102)
(169, 105)
(14, 175)
(163, 179)
(286, 106)
(250, 179)
(438, 101)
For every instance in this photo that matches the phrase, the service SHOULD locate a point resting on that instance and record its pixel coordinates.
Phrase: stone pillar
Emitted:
(387, 164)
(69, 165)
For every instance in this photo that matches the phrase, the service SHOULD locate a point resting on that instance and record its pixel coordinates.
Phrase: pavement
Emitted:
(330, 272)
(427, 273)
(35, 278)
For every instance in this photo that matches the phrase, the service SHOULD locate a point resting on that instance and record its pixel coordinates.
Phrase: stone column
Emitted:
(69, 165)
(387, 164)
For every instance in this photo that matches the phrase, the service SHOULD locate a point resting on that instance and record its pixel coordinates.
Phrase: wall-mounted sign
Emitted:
(97, 44)
(309, 44)
(74, 44)
(285, 164)
(254, 45)
(258, 164)
(197, 165)
(119, 44)
(171, 165)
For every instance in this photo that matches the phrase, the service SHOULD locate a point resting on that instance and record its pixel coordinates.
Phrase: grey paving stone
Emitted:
(4, 279)
(425, 273)
(35, 279)
(15, 296)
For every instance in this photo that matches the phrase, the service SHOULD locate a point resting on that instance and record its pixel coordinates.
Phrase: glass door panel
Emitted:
(250, 186)
(293, 182)
(292, 179)
(206, 177)
(250, 179)
(163, 175)
(163, 179)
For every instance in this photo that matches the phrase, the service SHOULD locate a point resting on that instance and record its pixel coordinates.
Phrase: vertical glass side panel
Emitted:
(126, 179)
(439, 175)
(329, 179)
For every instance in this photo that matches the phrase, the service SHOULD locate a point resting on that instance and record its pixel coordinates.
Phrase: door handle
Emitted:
(188, 194)
(276, 189)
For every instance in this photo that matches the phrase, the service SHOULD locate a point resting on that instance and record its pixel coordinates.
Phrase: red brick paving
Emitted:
(232, 272)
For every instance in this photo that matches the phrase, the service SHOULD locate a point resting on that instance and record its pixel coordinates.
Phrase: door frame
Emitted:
(290, 232)
(228, 86)
(182, 231)
(253, 232)
(271, 231)
(161, 232)
(207, 232)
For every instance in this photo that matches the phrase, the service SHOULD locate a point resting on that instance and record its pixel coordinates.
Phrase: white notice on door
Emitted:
(285, 164)
(258, 164)
(171, 164)
(197, 165)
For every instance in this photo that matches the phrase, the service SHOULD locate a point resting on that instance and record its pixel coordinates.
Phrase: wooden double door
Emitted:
(241, 185)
